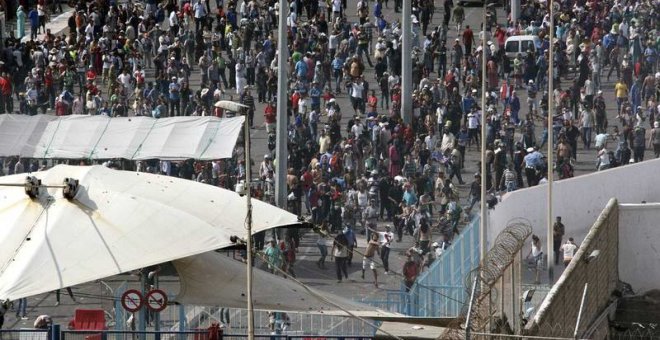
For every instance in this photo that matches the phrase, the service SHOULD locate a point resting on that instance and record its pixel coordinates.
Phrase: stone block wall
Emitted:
(558, 313)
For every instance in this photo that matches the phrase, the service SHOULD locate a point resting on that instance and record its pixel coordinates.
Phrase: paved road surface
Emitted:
(306, 267)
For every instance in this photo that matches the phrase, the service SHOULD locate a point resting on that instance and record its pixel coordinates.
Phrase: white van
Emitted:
(521, 44)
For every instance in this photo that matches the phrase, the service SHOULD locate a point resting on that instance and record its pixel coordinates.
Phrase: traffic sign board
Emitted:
(132, 300)
(156, 300)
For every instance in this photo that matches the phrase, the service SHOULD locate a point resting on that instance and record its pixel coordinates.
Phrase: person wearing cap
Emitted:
(174, 97)
(533, 163)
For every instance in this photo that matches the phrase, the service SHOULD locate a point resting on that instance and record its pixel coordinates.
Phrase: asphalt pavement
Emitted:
(99, 294)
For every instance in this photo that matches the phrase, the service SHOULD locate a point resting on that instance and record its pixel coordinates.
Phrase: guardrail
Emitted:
(440, 290)
(56, 334)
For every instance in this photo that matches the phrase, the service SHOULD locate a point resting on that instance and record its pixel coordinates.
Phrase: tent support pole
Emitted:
(248, 220)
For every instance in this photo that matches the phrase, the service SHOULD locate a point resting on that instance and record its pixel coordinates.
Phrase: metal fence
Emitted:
(298, 324)
(440, 291)
(24, 334)
(38, 334)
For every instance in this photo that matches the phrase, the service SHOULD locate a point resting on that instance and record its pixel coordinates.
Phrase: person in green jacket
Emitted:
(20, 22)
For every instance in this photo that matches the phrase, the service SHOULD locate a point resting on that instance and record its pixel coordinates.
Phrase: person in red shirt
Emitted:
(500, 36)
(468, 38)
(372, 101)
(270, 117)
(61, 108)
(91, 75)
(294, 101)
(50, 90)
(410, 271)
(5, 94)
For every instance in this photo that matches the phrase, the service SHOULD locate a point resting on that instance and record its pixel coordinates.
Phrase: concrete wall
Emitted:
(639, 250)
(558, 312)
(578, 200)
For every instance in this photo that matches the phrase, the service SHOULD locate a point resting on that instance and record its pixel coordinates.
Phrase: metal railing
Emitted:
(201, 317)
(440, 291)
(202, 334)
(24, 334)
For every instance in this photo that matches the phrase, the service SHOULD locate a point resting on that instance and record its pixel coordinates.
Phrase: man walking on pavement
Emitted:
(386, 238)
(373, 247)
(558, 231)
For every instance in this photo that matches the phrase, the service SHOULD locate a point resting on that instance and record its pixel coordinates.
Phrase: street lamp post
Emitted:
(406, 60)
(483, 223)
(550, 171)
(237, 107)
(282, 121)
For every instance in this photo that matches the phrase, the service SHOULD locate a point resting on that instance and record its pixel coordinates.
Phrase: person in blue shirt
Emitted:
(409, 196)
(337, 66)
(301, 69)
(468, 102)
(378, 9)
(174, 97)
(315, 96)
(533, 163)
(352, 243)
(34, 23)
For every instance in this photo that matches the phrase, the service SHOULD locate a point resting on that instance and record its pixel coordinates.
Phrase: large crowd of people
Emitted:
(354, 163)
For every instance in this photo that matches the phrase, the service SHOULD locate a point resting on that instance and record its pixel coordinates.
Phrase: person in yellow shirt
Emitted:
(621, 92)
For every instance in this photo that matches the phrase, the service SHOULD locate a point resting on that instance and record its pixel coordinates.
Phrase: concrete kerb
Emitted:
(57, 26)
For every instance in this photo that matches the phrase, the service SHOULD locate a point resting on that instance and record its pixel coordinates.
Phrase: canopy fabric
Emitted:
(101, 137)
(118, 221)
(216, 279)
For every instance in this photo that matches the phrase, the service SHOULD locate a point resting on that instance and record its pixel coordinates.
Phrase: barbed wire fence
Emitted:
(499, 258)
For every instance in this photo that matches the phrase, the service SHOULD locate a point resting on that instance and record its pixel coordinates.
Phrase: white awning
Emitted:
(119, 221)
(101, 137)
(216, 279)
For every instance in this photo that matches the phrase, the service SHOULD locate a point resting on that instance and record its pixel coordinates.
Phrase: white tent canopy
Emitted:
(101, 137)
(118, 221)
(216, 279)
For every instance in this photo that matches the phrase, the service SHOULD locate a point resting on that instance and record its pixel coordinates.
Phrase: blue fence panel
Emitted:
(440, 291)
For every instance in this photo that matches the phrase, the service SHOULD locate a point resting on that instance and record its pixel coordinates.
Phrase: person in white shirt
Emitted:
(569, 249)
(336, 9)
(357, 128)
(174, 23)
(303, 105)
(385, 239)
(357, 100)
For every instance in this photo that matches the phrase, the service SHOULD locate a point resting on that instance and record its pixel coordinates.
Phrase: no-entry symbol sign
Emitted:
(132, 300)
(156, 300)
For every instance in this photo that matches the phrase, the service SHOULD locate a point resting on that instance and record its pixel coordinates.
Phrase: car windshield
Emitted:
(512, 46)
(528, 45)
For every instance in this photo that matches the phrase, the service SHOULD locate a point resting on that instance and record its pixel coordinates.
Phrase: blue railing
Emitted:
(440, 290)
